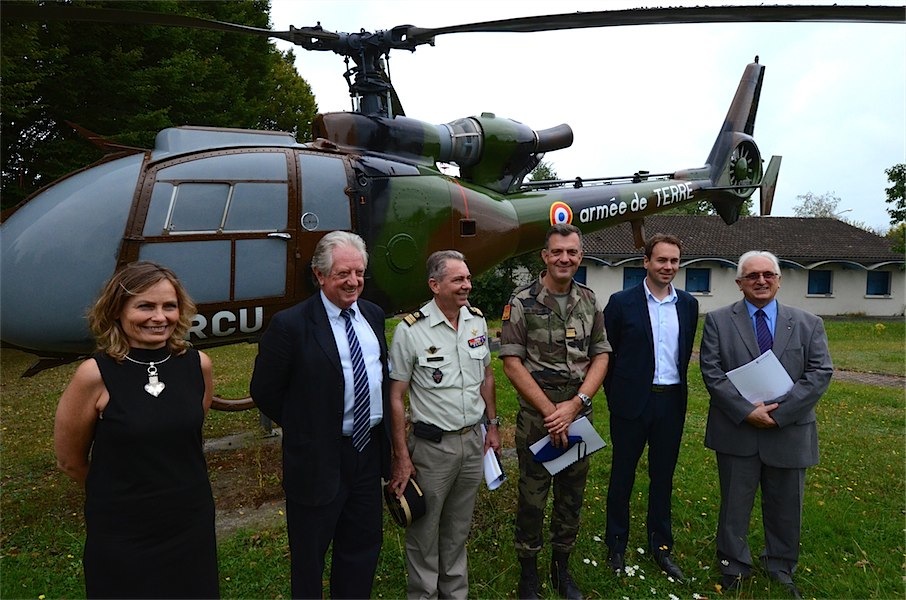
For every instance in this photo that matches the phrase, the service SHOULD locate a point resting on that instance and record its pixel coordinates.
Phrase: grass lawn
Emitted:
(852, 543)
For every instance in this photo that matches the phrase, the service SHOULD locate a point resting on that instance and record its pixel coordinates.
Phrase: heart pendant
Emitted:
(155, 388)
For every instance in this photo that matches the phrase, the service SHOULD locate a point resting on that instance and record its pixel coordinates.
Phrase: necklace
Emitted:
(154, 385)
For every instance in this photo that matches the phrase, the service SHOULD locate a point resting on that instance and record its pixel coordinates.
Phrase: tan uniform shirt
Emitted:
(444, 366)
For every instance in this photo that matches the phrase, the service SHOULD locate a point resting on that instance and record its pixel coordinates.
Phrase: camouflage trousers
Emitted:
(535, 483)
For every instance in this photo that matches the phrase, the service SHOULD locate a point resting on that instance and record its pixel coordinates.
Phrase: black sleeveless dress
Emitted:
(149, 511)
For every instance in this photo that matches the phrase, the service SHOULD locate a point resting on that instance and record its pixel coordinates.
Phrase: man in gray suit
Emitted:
(764, 443)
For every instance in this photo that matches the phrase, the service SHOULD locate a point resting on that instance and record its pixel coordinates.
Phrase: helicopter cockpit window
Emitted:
(325, 205)
(239, 193)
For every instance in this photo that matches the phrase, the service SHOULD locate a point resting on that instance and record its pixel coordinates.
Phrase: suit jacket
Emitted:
(298, 383)
(631, 371)
(800, 344)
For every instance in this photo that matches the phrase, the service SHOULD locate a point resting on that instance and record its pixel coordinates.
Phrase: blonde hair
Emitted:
(131, 280)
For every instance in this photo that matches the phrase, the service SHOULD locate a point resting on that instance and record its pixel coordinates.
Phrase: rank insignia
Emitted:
(477, 342)
(570, 333)
(506, 313)
(437, 376)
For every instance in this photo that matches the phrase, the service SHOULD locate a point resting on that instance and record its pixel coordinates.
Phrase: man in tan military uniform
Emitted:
(440, 355)
(555, 352)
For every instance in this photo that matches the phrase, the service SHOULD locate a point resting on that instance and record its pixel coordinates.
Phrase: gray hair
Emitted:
(322, 258)
(756, 254)
(437, 263)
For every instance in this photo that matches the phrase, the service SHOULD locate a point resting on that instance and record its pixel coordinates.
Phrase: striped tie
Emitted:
(765, 340)
(361, 408)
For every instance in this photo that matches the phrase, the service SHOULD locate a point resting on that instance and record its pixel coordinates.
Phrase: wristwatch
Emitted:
(586, 401)
(495, 421)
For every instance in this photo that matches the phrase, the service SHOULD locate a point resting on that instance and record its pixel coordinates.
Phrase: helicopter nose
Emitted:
(56, 252)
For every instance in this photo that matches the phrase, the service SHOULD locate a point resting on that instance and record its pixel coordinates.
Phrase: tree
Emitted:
(896, 193)
(127, 82)
(812, 205)
(897, 237)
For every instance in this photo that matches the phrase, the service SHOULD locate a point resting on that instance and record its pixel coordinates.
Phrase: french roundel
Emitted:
(561, 213)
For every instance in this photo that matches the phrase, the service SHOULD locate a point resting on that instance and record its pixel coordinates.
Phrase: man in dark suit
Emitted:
(651, 327)
(321, 374)
(762, 443)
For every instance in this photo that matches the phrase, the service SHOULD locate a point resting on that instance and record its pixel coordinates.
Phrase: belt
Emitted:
(657, 388)
(466, 429)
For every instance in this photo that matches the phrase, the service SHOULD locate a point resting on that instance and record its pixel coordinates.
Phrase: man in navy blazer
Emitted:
(304, 381)
(767, 444)
(651, 327)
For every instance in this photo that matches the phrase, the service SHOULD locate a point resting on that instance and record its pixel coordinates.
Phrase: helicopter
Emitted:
(237, 213)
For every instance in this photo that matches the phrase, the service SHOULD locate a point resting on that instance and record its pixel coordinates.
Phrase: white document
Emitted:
(493, 471)
(591, 442)
(762, 380)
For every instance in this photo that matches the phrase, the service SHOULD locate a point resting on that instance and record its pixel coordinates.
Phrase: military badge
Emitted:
(437, 376)
(477, 342)
(570, 333)
(506, 313)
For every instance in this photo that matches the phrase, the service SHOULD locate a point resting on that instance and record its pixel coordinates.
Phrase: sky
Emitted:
(653, 97)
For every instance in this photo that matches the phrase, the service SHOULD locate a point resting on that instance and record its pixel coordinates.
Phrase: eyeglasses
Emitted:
(753, 277)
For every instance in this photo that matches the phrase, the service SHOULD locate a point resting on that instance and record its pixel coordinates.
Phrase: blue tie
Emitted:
(765, 339)
(361, 408)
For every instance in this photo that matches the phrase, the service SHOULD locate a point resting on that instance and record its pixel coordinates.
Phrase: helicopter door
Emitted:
(325, 205)
(220, 221)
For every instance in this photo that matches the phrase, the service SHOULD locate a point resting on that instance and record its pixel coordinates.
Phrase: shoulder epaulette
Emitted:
(413, 317)
(475, 311)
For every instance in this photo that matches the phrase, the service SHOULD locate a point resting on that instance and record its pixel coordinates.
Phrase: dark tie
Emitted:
(765, 340)
(361, 408)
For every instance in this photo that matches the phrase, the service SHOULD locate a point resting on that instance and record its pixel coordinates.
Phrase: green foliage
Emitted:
(127, 82)
(492, 290)
(897, 237)
(896, 193)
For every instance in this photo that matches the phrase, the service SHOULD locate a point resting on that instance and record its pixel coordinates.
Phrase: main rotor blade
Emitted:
(655, 16)
(56, 12)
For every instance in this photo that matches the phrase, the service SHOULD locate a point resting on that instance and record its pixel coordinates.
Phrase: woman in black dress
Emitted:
(128, 428)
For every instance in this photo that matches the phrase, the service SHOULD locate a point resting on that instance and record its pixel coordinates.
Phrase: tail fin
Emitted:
(734, 163)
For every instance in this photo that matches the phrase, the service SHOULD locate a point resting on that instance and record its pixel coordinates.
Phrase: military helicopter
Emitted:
(237, 213)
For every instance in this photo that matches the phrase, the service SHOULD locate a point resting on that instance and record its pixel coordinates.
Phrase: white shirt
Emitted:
(371, 354)
(665, 335)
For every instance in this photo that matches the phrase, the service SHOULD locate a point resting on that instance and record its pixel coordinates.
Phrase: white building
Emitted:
(829, 267)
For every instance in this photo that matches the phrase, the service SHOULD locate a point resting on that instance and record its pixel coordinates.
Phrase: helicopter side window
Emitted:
(325, 205)
(199, 206)
(257, 207)
(244, 192)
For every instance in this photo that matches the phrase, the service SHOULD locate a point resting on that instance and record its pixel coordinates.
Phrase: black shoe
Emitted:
(616, 561)
(663, 560)
(561, 578)
(730, 583)
(793, 590)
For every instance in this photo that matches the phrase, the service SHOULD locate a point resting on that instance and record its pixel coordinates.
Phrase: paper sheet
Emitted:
(762, 380)
(591, 442)
(493, 470)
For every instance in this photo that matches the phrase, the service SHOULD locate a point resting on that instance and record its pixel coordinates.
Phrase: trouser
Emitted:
(352, 523)
(660, 426)
(535, 482)
(449, 473)
(782, 492)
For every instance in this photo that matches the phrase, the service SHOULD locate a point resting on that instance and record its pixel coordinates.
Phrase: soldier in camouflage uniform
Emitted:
(555, 353)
